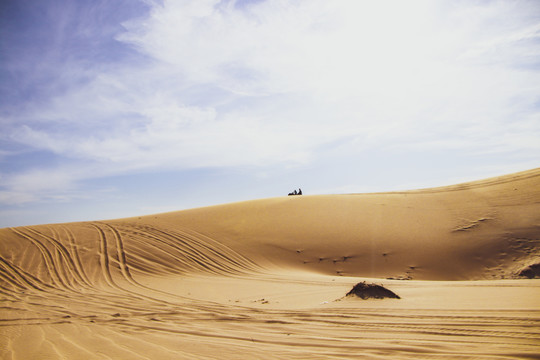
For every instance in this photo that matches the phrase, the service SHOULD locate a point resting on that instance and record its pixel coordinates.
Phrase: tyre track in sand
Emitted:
(71, 272)
(157, 240)
(14, 280)
(301, 332)
(18, 277)
(76, 257)
(189, 251)
(207, 244)
(104, 257)
(176, 256)
(123, 268)
(59, 256)
(46, 256)
(121, 254)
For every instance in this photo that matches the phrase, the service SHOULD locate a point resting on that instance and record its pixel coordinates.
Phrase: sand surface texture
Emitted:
(267, 279)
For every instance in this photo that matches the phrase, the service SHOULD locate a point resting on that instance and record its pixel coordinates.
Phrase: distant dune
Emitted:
(261, 279)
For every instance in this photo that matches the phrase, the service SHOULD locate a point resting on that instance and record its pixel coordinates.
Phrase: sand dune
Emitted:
(268, 278)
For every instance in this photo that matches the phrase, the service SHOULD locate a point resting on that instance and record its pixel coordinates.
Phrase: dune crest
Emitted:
(485, 229)
(260, 278)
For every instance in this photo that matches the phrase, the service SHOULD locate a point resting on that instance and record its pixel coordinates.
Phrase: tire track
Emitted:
(233, 256)
(26, 280)
(76, 258)
(191, 251)
(63, 255)
(122, 255)
(180, 259)
(46, 256)
(157, 246)
(195, 253)
(210, 245)
(211, 255)
(8, 277)
(106, 269)
(125, 270)
(104, 257)
(359, 337)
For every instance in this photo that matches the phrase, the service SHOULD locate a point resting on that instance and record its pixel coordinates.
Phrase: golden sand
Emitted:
(267, 279)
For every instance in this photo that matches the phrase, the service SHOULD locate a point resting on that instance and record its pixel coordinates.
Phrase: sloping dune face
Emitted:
(260, 279)
(484, 229)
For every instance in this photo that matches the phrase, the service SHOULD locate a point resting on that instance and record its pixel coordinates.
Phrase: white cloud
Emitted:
(14, 197)
(271, 82)
(41, 184)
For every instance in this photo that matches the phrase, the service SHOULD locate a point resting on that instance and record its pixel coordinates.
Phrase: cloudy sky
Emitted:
(121, 108)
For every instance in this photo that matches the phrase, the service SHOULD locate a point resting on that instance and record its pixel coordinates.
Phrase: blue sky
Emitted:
(120, 108)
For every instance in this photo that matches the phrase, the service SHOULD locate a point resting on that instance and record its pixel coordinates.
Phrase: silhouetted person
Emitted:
(299, 191)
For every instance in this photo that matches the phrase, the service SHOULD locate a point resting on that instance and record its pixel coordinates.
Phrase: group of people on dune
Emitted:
(299, 192)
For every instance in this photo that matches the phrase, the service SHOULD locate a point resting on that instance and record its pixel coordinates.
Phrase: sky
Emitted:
(111, 109)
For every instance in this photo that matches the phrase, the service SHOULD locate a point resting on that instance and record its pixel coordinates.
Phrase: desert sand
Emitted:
(266, 279)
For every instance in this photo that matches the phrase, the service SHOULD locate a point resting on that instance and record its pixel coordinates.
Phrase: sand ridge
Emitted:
(261, 278)
(484, 231)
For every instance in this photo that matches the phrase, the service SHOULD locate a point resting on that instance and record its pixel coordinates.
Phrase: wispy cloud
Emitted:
(187, 84)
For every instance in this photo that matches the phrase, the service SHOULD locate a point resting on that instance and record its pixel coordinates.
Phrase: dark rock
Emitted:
(371, 291)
